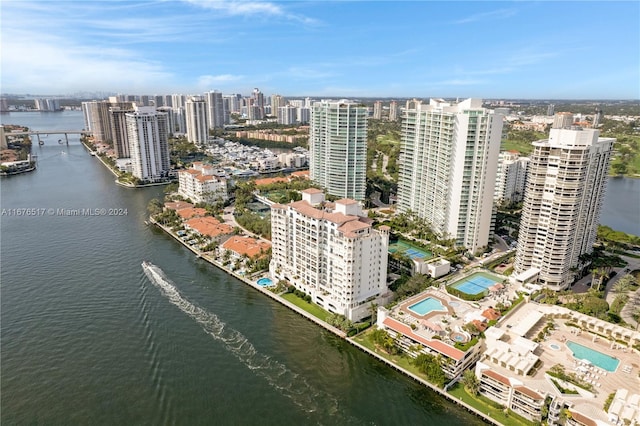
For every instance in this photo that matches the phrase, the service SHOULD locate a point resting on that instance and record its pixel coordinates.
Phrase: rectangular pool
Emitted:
(427, 305)
(596, 358)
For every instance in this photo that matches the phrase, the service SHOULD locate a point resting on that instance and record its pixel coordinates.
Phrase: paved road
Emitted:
(583, 286)
(634, 297)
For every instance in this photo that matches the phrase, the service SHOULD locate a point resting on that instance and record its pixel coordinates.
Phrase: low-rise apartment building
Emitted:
(200, 184)
(510, 392)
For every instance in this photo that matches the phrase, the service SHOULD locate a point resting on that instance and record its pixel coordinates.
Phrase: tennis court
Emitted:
(476, 283)
(409, 250)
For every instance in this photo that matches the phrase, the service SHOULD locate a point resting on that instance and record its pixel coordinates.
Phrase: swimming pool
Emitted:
(475, 284)
(264, 282)
(598, 359)
(427, 305)
(458, 337)
(555, 346)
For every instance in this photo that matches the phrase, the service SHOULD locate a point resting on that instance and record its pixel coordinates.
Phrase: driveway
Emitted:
(634, 297)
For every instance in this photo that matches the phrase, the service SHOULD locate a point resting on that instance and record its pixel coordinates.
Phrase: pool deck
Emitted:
(442, 323)
(404, 307)
(604, 382)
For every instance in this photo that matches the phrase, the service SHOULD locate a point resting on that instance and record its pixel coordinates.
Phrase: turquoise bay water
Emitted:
(597, 358)
(88, 338)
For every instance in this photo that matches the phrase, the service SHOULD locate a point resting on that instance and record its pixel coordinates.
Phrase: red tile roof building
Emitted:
(240, 246)
(190, 212)
(177, 205)
(510, 392)
(209, 226)
(333, 254)
(406, 338)
(269, 181)
(199, 184)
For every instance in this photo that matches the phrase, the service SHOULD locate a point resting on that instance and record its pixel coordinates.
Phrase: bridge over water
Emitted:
(38, 133)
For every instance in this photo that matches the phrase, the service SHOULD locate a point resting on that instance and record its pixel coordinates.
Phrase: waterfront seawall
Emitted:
(252, 283)
(324, 325)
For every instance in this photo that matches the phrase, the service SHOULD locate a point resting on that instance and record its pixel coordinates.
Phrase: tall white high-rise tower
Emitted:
(338, 148)
(448, 160)
(148, 143)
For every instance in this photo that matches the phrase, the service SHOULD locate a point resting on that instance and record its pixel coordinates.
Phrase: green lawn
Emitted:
(313, 309)
(401, 361)
(481, 403)
(523, 147)
(388, 139)
(485, 405)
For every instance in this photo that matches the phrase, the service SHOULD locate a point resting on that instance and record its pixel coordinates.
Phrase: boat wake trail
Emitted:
(286, 382)
(161, 390)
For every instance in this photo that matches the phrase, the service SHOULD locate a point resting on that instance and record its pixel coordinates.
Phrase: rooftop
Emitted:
(436, 345)
(209, 226)
(189, 212)
(178, 205)
(246, 245)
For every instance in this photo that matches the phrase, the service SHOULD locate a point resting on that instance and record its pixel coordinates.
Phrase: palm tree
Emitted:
(373, 308)
(622, 286)
(471, 382)
(598, 277)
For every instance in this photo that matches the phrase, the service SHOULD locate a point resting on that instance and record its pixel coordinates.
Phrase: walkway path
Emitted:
(230, 219)
(634, 297)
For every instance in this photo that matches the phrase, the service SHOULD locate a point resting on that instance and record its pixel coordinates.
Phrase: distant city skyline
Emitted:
(533, 50)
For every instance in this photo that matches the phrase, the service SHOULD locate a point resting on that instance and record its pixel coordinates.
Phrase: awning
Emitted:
(431, 326)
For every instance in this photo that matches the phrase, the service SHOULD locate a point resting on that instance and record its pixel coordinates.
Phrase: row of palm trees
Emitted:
(600, 264)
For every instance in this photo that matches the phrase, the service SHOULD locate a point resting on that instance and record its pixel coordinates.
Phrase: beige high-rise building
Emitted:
(393, 111)
(196, 117)
(148, 143)
(565, 189)
(330, 252)
(377, 110)
(277, 102)
(511, 177)
(118, 121)
(562, 120)
(97, 118)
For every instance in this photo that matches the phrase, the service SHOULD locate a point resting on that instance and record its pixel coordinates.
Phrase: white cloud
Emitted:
(47, 64)
(460, 82)
(209, 80)
(506, 62)
(239, 8)
(494, 14)
(250, 8)
(306, 73)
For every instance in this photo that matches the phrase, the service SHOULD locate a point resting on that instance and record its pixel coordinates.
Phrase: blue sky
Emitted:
(544, 49)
